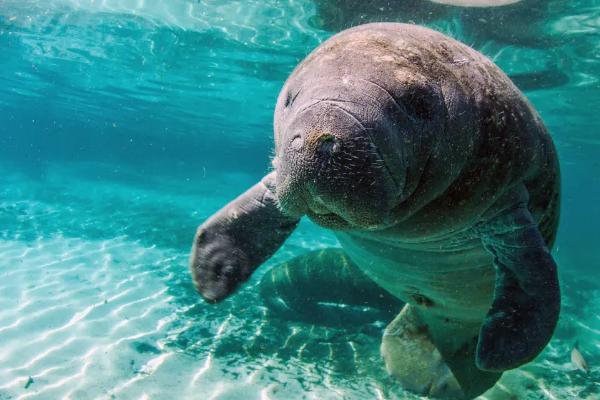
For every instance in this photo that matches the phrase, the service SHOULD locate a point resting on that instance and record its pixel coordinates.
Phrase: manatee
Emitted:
(324, 287)
(442, 186)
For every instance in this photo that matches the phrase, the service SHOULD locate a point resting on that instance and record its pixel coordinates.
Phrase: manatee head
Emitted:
(343, 148)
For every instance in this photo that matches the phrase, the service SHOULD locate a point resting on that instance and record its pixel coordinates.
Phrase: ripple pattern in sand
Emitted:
(79, 315)
(95, 317)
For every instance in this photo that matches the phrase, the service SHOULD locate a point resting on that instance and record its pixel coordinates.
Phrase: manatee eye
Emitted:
(420, 102)
(422, 108)
(328, 144)
(297, 142)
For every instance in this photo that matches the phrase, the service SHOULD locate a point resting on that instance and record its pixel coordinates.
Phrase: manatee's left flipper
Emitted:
(231, 244)
(526, 301)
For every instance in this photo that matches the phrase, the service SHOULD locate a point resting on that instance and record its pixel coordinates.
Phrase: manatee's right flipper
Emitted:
(526, 301)
(411, 357)
(325, 287)
(434, 355)
(231, 244)
(472, 380)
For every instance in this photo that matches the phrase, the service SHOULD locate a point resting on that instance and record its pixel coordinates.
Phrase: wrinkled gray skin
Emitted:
(441, 184)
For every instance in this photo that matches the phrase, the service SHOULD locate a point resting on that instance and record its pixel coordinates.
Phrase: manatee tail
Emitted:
(324, 287)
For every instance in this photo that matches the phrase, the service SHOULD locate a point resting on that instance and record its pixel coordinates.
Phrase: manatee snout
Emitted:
(329, 169)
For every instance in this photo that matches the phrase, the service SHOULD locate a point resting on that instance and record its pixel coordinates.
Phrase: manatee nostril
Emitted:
(328, 143)
(297, 142)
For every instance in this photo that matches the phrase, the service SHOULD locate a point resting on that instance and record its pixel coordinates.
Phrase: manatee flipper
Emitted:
(325, 287)
(473, 381)
(435, 356)
(413, 359)
(231, 244)
(526, 302)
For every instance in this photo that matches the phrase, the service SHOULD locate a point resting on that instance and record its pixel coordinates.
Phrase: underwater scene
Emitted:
(125, 124)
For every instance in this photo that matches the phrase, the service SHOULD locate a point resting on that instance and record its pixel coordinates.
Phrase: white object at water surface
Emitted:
(476, 3)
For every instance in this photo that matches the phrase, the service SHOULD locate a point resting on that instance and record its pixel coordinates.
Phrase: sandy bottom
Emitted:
(96, 303)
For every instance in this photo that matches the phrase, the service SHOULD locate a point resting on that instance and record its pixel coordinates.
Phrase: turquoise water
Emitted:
(125, 123)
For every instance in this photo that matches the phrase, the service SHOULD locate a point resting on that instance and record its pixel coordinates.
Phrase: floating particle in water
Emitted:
(578, 360)
(29, 382)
